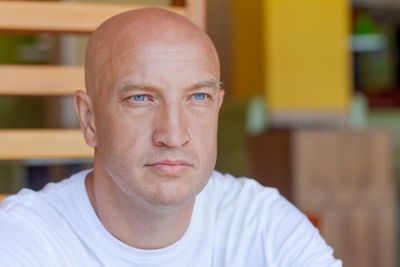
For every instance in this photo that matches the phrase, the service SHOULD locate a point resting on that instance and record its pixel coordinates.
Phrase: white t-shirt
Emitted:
(235, 222)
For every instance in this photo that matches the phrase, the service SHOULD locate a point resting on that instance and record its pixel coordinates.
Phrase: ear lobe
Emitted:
(85, 112)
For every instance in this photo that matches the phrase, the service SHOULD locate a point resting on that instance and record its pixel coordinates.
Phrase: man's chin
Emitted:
(171, 194)
(170, 202)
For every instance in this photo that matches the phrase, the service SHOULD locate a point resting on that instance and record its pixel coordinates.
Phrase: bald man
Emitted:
(150, 111)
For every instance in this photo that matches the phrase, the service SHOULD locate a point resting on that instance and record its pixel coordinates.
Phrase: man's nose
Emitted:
(171, 129)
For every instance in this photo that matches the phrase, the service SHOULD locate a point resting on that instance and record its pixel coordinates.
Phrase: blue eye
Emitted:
(199, 96)
(139, 97)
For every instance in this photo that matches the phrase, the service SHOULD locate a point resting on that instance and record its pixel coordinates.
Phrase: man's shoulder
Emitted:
(29, 203)
(279, 232)
(230, 187)
(245, 199)
(246, 195)
(34, 226)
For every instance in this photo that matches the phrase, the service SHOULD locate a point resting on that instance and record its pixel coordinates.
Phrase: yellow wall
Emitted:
(307, 58)
(293, 51)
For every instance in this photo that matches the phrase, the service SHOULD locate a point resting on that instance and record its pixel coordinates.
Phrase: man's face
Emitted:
(156, 124)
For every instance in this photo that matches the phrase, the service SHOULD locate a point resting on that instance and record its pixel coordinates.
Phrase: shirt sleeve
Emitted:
(19, 244)
(296, 242)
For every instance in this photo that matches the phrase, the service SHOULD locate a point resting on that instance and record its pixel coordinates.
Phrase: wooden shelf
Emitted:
(43, 144)
(60, 17)
(40, 80)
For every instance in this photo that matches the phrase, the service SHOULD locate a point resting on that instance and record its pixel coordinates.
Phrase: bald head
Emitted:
(131, 33)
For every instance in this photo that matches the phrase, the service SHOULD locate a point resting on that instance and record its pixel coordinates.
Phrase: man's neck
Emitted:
(135, 223)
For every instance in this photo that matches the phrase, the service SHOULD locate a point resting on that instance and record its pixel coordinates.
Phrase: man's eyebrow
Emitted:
(208, 83)
(120, 89)
(133, 85)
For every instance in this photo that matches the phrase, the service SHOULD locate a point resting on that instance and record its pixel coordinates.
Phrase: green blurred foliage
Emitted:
(232, 140)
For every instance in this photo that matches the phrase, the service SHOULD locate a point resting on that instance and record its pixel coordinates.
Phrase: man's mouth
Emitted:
(170, 167)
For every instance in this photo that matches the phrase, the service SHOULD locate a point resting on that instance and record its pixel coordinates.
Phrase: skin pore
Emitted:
(151, 115)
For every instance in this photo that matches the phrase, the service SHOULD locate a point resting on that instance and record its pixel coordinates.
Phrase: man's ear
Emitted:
(221, 94)
(84, 109)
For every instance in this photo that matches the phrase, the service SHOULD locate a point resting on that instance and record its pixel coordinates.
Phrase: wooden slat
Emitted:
(60, 17)
(3, 197)
(40, 80)
(178, 2)
(43, 144)
(197, 10)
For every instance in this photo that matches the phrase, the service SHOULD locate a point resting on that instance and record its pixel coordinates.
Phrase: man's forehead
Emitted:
(153, 48)
(127, 36)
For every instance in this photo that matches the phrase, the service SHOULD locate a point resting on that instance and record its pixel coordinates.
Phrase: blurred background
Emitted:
(312, 107)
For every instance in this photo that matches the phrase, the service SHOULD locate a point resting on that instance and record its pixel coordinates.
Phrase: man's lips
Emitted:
(170, 167)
